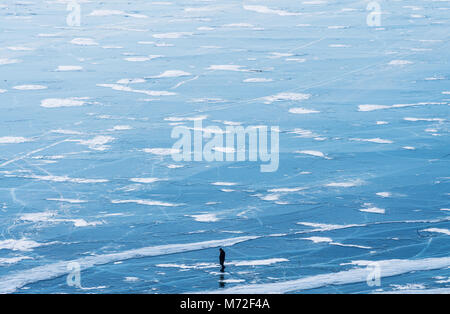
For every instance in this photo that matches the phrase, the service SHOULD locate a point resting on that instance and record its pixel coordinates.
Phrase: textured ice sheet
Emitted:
(86, 173)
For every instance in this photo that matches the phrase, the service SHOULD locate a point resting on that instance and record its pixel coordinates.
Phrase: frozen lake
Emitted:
(87, 180)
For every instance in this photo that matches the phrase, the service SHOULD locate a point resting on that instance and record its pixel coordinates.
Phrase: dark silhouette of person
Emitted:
(222, 259)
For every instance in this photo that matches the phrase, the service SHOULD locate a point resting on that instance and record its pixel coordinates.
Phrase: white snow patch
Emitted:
(266, 10)
(161, 151)
(13, 260)
(30, 87)
(67, 200)
(67, 132)
(121, 128)
(257, 80)
(142, 59)
(20, 48)
(65, 68)
(285, 96)
(262, 262)
(314, 153)
(172, 73)
(13, 140)
(65, 179)
(130, 81)
(63, 102)
(19, 245)
(226, 150)
(205, 217)
(440, 120)
(389, 268)
(221, 183)
(373, 140)
(146, 180)
(123, 88)
(347, 184)
(97, 143)
(319, 239)
(277, 55)
(240, 25)
(116, 12)
(146, 202)
(285, 190)
(299, 110)
(373, 210)
(84, 42)
(438, 230)
(5, 61)
(226, 67)
(172, 35)
(399, 62)
(179, 119)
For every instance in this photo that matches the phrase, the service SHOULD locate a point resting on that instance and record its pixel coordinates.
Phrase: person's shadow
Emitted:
(222, 281)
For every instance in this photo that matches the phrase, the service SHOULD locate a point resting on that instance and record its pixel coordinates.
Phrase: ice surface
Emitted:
(87, 176)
